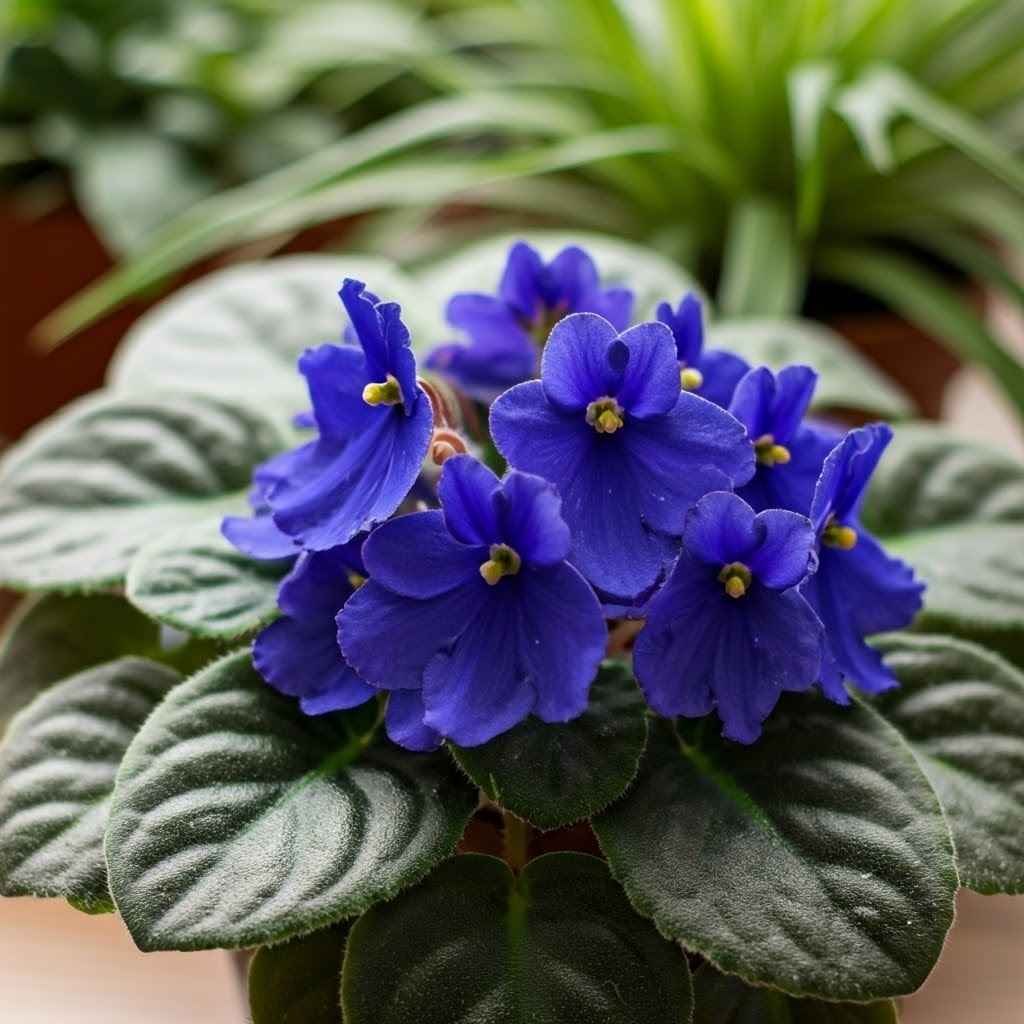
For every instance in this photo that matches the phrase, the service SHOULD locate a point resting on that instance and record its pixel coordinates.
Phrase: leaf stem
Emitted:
(517, 841)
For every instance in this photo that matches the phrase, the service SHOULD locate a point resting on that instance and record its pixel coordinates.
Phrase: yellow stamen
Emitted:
(769, 453)
(355, 581)
(388, 392)
(737, 579)
(838, 536)
(504, 561)
(606, 416)
(690, 378)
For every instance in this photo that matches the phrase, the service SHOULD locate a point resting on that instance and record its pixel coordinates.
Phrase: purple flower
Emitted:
(713, 374)
(507, 331)
(473, 611)
(374, 427)
(627, 449)
(789, 453)
(258, 536)
(858, 590)
(298, 654)
(729, 631)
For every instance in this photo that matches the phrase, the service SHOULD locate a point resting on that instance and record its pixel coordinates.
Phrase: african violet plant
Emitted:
(647, 694)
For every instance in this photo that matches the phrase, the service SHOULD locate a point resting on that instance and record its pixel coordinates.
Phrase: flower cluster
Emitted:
(648, 479)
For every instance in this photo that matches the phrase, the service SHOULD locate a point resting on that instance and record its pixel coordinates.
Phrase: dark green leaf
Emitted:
(83, 492)
(954, 509)
(816, 861)
(299, 982)
(193, 579)
(961, 708)
(57, 768)
(846, 380)
(54, 636)
(762, 267)
(240, 821)
(554, 775)
(476, 944)
(478, 267)
(238, 333)
(725, 999)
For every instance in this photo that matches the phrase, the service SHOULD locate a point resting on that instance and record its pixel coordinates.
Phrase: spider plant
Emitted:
(771, 147)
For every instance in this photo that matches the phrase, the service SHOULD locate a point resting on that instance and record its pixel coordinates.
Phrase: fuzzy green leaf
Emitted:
(961, 708)
(725, 999)
(954, 509)
(193, 579)
(816, 861)
(474, 943)
(240, 821)
(83, 492)
(299, 982)
(53, 636)
(652, 277)
(553, 775)
(57, 768)
(845, 380)
(237, 334)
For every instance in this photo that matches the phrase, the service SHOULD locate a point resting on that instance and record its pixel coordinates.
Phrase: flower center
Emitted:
(690, 378)
(388, 392)
(835, 535)
(355, 580)
(736, 578)
(605, 415)
(769, 453)
(504, 561)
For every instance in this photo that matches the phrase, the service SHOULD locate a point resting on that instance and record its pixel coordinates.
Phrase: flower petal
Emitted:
(530, 519)
(687, 326)
(404, 722)
(300, 658)
(477, 689)
(791, 485)
(722, 371)
(318, 584)
(519, 288)
(414, 555)
(466, 490)
(483, 371)
(650, 380)
(562, 638)
(346, 489)
(767, 403)
(845, 474)
(580, 361)
(389, 639)
(721, 528)
(859, 593)
(259, 537)
(785, 555)
(335, 376)
(677, 458)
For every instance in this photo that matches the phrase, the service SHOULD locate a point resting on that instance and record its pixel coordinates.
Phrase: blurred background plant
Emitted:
(819, 155)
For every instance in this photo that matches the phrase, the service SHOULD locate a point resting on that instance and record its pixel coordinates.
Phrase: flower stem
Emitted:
(517, 841)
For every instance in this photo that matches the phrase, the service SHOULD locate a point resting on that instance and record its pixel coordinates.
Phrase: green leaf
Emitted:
(85, 490)
(57, 768)
(474, 943)
(954, 509)
(809, 88)
(883, 92)
(816, 861)
(299, 982)
(240, 821)
(762, 266)
(846, 380)
(55, 635)
(725, 999)
(128, 182)
(478, 267)
(927, 301)
(238, 333)
(193, 579)
(553, 775)
(961, 708)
